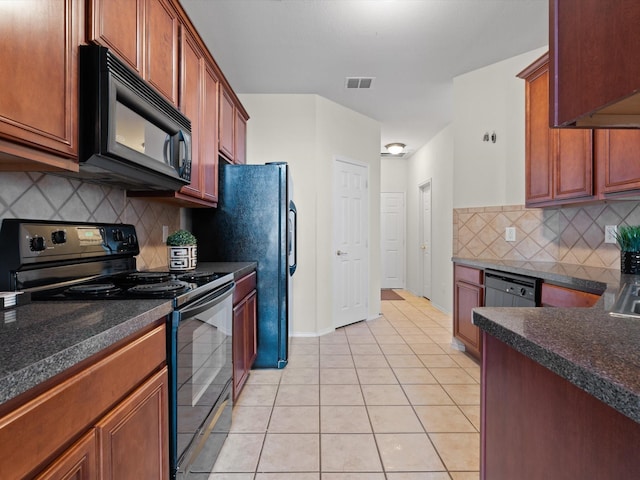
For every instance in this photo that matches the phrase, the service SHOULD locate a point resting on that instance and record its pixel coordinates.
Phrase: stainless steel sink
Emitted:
(628, 301)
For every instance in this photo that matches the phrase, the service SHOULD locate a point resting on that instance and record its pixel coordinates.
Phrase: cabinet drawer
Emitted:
(244, 286)
(468, 274)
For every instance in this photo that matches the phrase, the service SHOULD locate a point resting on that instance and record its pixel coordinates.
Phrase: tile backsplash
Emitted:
(51, 197)
(573, 235)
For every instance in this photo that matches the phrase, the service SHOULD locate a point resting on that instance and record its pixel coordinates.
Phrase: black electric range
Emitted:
(79, 261)
(65, 261)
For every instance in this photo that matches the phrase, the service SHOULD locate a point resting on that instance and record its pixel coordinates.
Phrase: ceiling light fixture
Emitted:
(395, 148)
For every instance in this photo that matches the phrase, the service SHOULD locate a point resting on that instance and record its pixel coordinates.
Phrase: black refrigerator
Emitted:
(256, 221)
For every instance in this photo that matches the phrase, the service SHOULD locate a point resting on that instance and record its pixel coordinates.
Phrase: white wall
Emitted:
(308, 132)
(490, 99)
(464, 170)
(432, 162)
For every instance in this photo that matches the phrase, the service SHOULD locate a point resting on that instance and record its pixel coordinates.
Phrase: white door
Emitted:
(424, 241)
(350, 243)
(392, 239)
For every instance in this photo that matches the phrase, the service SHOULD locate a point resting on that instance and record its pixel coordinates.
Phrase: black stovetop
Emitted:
(131, 285)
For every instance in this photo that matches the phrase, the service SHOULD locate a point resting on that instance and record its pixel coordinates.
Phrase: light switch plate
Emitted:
(165, 233)
(510, 234)
(610, 233)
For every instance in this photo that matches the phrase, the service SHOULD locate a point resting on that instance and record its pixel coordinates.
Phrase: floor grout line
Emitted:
(414, 313)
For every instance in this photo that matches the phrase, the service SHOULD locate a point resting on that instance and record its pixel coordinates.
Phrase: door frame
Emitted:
(365, 270)
(421, 192)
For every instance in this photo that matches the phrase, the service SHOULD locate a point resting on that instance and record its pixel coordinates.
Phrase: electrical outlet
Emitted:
(610, 233)
(165, 233)
(510, 234)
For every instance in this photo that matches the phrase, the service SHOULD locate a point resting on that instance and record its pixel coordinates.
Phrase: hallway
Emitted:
(383, 399)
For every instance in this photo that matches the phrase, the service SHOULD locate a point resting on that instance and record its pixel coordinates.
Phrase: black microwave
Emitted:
(130, 135)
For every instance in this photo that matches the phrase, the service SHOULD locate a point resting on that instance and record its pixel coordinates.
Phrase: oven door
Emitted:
(200, 375)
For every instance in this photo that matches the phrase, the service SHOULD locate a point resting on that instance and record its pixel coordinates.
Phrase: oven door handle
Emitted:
(208, 301)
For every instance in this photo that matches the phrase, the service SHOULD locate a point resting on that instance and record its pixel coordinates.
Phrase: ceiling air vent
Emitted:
(359, 82)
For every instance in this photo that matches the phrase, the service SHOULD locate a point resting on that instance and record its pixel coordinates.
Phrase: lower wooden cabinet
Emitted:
(468, 293)
(557, 296)
(537, 425)
(244, 331)
(107, 420)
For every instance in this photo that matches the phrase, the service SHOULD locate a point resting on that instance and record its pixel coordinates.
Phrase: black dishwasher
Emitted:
(510, 290)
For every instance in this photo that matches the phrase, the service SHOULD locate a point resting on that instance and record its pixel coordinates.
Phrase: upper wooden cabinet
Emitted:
(39, 84)
(618, 165)
(232, 129)
(199, 102)
(143, 33)
(558, 163)
(595, 72)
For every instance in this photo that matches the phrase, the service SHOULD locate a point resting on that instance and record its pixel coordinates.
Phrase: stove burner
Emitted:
(148, 277)
(93, 290)
(198, 277)
(164, 289)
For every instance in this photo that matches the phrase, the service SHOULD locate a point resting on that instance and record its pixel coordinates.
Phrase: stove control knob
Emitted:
(37, 244)
(59, 236)
(118, 236)
(131, 239)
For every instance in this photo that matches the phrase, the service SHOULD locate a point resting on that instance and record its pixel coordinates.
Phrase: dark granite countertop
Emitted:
(42, 339)
(586, 346)
(589, 279)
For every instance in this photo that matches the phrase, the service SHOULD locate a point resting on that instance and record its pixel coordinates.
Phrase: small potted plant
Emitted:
(182, 252)
(628, 238)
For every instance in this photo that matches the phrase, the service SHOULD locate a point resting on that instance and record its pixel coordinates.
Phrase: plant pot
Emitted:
(630, 262)
(182, 258)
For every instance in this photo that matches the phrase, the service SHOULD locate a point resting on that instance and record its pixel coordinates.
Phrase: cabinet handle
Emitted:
(340, 253)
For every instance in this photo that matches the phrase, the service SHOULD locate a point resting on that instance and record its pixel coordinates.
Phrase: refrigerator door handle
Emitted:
(293, 238)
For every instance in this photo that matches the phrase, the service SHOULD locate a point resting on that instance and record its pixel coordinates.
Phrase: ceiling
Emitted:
(412, 48)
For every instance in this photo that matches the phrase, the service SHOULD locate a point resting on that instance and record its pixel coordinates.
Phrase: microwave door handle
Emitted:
(185, 168)
(165, 149)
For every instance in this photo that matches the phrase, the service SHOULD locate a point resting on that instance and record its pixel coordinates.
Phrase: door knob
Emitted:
(340, 252)
(423, 247)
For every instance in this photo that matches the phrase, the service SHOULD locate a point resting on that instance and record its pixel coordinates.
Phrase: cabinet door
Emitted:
(467, 296)
(132, 439)
(594, 47)
(226, 124)
(617, 160)
(116, 24)
(239, 348)
(209, 138)
(161, 48)
(190, 101)
(538, 158)
(39, 82)
(79, 462)
(251, 328)
(573, 163)
(240, 139)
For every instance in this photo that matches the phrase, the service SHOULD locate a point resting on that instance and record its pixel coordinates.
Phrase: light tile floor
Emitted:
(387, 399)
